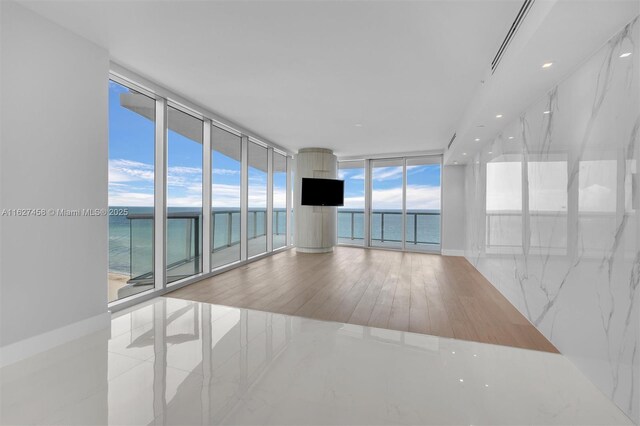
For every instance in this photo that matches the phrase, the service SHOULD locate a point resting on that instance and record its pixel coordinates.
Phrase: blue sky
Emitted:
(131, 171)
(423, 187)
(131, 166)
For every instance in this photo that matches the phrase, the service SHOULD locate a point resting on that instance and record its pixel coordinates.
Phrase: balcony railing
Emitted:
(386, 226)
(183, 239)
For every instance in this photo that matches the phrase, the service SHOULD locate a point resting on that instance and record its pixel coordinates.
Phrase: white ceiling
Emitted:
(306, 73)
(303, 74)
(563, 32)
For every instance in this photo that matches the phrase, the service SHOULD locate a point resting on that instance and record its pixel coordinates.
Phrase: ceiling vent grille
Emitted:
(512, 31)
(453, 138)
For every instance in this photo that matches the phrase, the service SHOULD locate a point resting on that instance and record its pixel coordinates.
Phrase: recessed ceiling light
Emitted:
(625, 54)
(453, 352)
(486, 386)
(547, 112)
(477, 139)
(490, 152)
(499, 116)
(358, 125)
(461, 380)
(455, 162)
(464, 153)
(547, 64)
(510, 137)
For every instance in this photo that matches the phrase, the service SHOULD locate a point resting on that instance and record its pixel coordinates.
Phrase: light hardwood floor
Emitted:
(421, 293)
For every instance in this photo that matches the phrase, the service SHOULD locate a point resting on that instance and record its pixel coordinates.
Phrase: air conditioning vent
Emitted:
(512, 31)
(453, 138)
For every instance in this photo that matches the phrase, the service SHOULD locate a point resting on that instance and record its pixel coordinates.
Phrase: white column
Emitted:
(367, 203)
(244, 200)
(404, 204)
(269, 215)
(316, 226)
(160, 207)
(206, 196)
(289, 200)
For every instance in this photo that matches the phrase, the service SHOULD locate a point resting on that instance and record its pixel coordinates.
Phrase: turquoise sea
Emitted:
(131, 236)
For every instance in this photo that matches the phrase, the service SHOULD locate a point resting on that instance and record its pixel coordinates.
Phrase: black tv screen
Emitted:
(322, 192)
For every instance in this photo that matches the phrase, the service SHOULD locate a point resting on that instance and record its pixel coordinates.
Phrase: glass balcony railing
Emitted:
(183, 239)
(422, 228)
(351, 226)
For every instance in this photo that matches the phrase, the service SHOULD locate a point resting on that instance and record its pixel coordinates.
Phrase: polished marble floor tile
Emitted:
(170, 361)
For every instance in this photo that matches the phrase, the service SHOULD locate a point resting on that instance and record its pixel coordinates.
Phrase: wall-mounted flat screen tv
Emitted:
(322, 192)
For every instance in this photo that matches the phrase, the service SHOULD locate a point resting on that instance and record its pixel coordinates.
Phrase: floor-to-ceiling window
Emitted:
(184, 195)
(257, 202)
(131, 191)
(226, 168)
(422, 203)
(399, 196)
(387, 202)
(351, 215)
(279, 228)
(165, 226)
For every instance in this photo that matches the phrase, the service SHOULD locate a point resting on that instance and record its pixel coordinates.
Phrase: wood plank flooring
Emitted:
(422, 293)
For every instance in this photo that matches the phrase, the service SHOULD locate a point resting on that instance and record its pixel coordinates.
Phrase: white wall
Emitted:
(453, 213)
(53, 154)
(552, 217)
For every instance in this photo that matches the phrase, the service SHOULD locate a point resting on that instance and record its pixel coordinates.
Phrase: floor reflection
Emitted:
(171, 361)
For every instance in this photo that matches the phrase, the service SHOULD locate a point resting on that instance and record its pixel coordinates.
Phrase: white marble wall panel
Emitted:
(552, 217)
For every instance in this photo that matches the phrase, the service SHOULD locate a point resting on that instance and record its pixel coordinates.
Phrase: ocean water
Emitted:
(424, 223)
(131, 236)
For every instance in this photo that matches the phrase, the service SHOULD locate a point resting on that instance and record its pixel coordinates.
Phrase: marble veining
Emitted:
(553, 222)
(172, 361)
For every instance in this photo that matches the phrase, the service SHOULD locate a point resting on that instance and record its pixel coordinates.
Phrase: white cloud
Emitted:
(257, 196)
(378, 173)
(130, 199)
(351, 174)
(130, 183)
(354, 202)
(419, 197)
(184, 177)
(225, 195)
(185, 201)
(386, 173)
(279, 198)
(225, 172)
(181, 170)
(121, 170)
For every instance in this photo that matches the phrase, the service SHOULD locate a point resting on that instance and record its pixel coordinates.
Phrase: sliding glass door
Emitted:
(403, 199)
(189, 195)
(184, 195)
(131, 191)
(226, 180)
(351, 215)
(257, 212)
(387, 183)
(422, 220)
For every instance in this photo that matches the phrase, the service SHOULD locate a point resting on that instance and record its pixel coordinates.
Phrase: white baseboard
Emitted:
(26, 348)
(452, 252)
